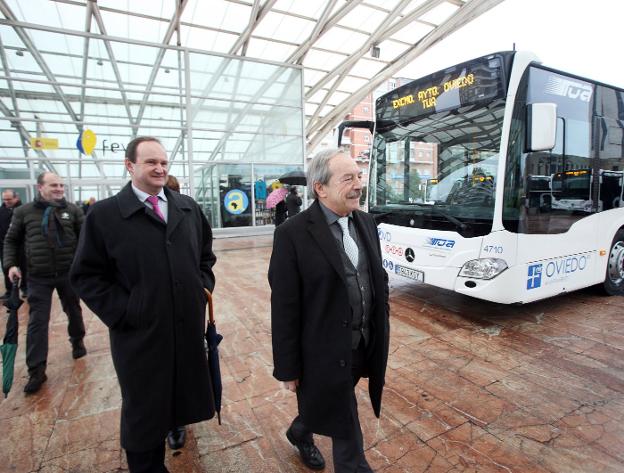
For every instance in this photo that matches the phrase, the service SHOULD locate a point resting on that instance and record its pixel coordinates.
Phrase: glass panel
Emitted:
(242, 112)
(224, 192)
(266, 181)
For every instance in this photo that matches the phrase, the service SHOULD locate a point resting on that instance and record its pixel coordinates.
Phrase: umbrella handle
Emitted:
(210, 310)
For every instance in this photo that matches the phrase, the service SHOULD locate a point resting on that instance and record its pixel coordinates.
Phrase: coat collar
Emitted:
(129, 204)
(318, 227)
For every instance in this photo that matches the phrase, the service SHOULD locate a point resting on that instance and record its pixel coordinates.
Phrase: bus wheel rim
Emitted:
(616, 263)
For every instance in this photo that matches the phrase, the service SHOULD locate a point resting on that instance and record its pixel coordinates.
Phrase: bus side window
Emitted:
(610, 144)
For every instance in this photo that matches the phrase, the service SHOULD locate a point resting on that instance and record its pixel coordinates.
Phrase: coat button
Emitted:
(342, 363)
(168, 242)
(345, 323)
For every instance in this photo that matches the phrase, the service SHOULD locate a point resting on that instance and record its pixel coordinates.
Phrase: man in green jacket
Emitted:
(49, 229)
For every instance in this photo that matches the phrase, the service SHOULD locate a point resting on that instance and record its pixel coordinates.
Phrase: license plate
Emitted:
(409, 273)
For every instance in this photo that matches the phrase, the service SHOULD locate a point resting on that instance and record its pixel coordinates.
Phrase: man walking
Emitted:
(329, 312)
(48, 228)
(10, 201)
(143, 261)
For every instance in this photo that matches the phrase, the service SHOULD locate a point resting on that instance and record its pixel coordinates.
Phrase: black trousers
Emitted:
(152, 461)
(40, 301)
(347, 453)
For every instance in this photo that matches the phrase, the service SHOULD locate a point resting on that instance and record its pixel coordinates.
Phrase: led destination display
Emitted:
(469, 83)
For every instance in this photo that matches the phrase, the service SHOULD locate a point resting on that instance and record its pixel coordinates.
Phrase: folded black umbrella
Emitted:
(9, 343)
(212, 351)
(294, 178)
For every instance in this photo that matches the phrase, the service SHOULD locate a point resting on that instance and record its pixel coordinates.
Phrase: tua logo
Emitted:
(569, 88)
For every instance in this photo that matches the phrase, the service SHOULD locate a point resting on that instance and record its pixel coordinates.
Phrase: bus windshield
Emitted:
(447, 160)
(436, 148)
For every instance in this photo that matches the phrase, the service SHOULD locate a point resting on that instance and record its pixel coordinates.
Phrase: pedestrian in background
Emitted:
(172, 183)
(293, 202)
(87, 205)
(329, 313)
(143, 262)
(48, 228)
(10, 201)
(280, 212)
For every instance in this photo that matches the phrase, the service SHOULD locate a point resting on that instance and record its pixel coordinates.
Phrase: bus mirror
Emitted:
(541, 126)
(369, 125)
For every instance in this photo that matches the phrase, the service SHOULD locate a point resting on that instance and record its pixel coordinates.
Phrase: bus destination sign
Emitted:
(427, 97)
(478, 81)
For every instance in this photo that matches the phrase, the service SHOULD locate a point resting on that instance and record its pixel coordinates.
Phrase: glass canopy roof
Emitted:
(45, 44)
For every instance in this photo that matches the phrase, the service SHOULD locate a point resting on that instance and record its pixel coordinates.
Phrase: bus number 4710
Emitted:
(493, 249)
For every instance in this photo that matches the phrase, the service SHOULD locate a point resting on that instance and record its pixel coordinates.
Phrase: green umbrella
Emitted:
(9, 344)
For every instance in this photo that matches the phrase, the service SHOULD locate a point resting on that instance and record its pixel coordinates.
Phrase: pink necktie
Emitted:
(152, 199)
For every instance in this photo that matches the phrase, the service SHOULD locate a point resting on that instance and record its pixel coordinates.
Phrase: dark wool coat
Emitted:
(146, 281)
(311, 318)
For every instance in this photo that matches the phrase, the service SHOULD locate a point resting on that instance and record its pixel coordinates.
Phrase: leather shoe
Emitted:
(176, 438)
(78, 349)
(310, 455)
(34, 383)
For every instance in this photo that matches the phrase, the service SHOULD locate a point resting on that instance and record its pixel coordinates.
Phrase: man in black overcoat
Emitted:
(329, 313)
(143, 261)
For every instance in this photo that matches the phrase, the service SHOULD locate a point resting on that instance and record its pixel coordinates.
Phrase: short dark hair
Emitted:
(131, 149)
(293, 190)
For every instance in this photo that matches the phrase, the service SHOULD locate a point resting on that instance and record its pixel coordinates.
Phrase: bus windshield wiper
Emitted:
(436, 210)
(454, 220)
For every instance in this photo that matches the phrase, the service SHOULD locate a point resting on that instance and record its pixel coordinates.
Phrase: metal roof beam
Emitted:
(25, 136)
(322, 25)
(462, 16)
(6, 11)
(253, 17)
(111, 55)
(348, 63)
(253, 22)
(85, 58)
(9, 79)
(159, 58)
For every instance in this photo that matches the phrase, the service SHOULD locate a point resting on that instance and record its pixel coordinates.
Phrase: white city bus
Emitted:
(526, 167)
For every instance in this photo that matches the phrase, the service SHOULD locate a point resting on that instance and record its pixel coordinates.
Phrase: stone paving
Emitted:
(471, 387)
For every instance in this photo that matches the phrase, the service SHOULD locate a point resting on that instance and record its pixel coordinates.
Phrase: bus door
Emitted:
(610, 189)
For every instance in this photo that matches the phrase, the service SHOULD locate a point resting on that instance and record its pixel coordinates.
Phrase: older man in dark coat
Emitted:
(143, 261)
(329, 309)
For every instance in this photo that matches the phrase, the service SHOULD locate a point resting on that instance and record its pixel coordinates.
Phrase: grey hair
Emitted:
(318, 170)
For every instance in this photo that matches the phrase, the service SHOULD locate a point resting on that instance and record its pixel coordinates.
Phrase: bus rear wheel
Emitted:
(614, 280)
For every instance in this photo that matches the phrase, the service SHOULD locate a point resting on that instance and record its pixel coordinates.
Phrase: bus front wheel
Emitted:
(614, 280)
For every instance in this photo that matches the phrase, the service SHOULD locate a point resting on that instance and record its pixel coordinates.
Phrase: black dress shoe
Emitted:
(310, 455)
(34, 383)
(78, 349)
(176, 438)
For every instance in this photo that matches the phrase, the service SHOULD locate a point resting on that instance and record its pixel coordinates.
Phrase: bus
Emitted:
(526, 168)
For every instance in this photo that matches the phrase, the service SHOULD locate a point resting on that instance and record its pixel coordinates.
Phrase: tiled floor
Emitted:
(471, 387)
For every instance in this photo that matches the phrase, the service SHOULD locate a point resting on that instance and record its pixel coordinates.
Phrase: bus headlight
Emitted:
(483, 268)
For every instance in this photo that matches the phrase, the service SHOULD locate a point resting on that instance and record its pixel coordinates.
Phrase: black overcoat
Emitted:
(311, 319)
(146, 281)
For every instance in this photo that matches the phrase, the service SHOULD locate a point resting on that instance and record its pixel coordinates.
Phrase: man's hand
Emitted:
(291, 385)
(14, 273)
